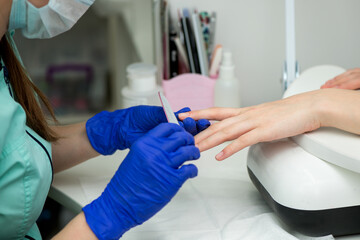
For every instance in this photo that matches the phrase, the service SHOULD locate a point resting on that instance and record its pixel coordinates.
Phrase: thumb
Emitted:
(187, 171)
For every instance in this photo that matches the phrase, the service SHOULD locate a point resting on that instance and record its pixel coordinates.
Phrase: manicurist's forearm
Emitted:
(340, 109)
(72, 148)
(76, 229)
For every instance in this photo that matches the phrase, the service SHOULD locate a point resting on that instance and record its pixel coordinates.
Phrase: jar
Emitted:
(142, 88)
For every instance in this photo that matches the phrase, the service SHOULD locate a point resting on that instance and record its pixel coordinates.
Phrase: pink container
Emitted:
(189, 90)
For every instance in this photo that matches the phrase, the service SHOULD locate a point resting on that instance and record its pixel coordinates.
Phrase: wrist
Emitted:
(104, 131)
(76, 229)
(340, 109)
(327, 106)
(321, 108)
(107, 221)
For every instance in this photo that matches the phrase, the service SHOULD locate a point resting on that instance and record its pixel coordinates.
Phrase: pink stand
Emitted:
(189, 90)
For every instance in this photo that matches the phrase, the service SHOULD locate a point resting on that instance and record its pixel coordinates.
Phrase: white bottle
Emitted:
(227, 91)
(142, 88)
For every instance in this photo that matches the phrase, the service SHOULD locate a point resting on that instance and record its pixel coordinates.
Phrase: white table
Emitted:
(221, 203)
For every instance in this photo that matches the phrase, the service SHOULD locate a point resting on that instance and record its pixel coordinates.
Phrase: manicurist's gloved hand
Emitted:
(190, 125)
(145, 182)
(110, 131)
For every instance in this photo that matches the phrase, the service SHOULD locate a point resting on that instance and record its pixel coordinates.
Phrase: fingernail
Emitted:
(219, 156)
(184, 115)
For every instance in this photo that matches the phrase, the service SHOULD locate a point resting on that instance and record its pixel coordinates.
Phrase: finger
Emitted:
(351, 85)
(335, 81)
(248, 139)
(187, 171)
(338, 81)
(165, 130)
(177, 140)
(211, 113)
(184, 154)
(183, 110)
(344, 77)
(190, 126)
(228, 133)
(207, 133)
(327, 84)
(216, 127)
(202, 124)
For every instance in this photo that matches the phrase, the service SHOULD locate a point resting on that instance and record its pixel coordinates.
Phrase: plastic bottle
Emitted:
(142, 88)
(227, 91)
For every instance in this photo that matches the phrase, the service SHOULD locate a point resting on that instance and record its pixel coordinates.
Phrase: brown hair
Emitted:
(26, 93)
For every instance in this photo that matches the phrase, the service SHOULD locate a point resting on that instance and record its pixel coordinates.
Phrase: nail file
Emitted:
(167, 109)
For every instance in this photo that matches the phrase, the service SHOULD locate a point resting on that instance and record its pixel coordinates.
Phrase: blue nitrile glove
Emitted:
(110, 131)
(147, 179)
(190, 125)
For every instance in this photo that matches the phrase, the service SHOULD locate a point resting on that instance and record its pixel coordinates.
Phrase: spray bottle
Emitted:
(227, 91)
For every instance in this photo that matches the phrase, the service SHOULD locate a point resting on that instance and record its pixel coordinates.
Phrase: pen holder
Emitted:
(189, 90)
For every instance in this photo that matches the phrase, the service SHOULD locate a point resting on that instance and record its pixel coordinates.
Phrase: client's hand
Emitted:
(280, 119)
(347, 80)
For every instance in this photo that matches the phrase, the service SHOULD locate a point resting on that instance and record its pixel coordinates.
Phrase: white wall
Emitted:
(327, 32)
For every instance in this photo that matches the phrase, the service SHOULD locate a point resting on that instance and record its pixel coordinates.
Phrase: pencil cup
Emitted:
(189, 90)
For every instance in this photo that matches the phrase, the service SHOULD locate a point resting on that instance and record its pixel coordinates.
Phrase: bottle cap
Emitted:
(227, 59)
(227, 67)
(141, 77)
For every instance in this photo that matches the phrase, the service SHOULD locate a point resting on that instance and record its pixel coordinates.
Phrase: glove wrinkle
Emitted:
(145, 181)
(118, 130)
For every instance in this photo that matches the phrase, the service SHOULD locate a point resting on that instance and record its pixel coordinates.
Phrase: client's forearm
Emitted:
(340, 109)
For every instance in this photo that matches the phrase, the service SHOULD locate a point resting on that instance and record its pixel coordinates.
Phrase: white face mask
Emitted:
(53, 19)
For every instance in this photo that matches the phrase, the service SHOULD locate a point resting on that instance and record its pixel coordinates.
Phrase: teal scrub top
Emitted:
(25, 169)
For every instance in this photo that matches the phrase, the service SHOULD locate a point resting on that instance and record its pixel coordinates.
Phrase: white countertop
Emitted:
(221, 203)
